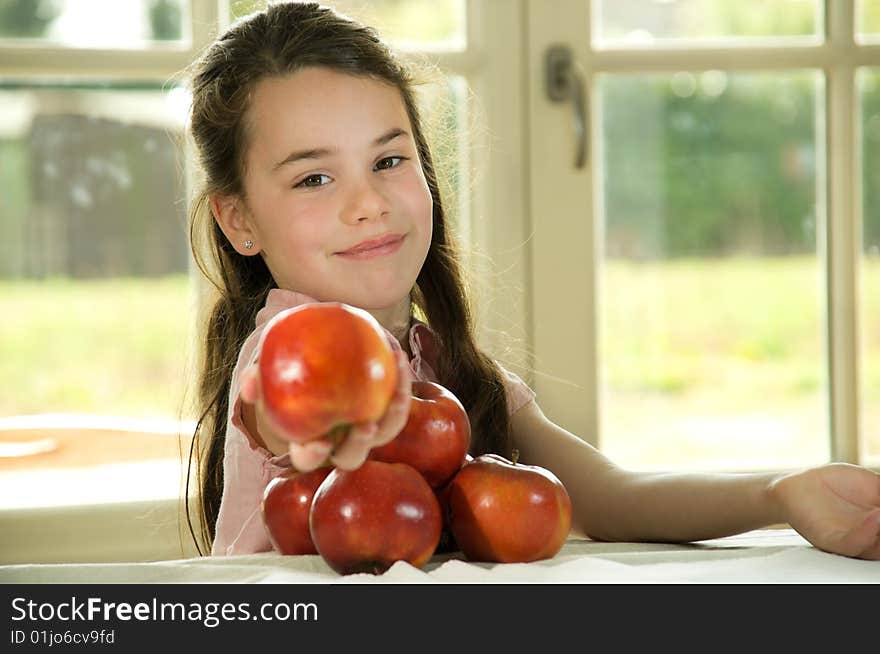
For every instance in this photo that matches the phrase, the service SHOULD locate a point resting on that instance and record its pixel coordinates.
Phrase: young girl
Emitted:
(319, 186)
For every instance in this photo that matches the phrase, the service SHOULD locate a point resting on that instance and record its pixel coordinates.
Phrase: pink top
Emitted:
(248, 467)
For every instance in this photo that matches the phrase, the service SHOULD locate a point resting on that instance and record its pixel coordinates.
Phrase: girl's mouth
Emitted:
(374, 248)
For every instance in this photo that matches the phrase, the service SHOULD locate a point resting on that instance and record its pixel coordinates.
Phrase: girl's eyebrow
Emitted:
(317, 153)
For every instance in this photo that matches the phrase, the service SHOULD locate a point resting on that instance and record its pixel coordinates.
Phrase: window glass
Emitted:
(711, 312)
(869, 90)
(434, 23)
(868, 19)
(94, 262)
(645, 22)
(135, 23)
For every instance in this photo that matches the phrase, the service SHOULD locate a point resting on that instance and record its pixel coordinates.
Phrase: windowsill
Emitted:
(56, 460)
(139, 481)
(92, 489)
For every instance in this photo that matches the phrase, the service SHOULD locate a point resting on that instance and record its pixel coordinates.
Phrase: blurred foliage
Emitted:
(32, 18)
(27, 18)
(711, 163)
(645, 20)
(870, 16)
(165, 19)
(756, 17)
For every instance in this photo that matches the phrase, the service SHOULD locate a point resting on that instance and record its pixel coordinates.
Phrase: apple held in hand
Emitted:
(324, 366)
(286, 504)
(504, 512)
(364, 520)
(436, 437)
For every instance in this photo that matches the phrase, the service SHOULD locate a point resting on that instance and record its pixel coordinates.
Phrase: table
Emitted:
(761, 556)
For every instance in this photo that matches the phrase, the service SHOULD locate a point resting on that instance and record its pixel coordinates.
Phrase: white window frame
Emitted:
(838, 56)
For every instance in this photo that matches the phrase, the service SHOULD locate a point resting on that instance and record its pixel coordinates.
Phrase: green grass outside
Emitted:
(693, 347)
(114, 347)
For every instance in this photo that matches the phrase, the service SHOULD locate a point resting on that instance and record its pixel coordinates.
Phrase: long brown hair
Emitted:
(275, 42)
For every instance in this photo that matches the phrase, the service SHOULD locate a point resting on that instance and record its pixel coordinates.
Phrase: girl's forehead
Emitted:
(320, 109)
(319, 99)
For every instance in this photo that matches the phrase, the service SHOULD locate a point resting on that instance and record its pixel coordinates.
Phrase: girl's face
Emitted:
(336, 199)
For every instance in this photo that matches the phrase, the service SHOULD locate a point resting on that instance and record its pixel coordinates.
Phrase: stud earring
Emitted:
(248, 244)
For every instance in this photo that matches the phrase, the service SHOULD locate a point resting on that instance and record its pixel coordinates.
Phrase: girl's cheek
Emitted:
(311, 215)
(417, 194)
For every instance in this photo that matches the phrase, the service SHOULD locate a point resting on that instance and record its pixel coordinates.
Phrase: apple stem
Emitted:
(514, 456)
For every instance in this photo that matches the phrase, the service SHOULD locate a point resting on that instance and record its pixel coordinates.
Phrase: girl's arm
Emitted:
(836, 507)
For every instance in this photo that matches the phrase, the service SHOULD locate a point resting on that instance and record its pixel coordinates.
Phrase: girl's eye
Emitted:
(389, 162)
(314, 180)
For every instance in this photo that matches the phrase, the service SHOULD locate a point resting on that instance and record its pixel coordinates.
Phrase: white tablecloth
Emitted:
(762, 556)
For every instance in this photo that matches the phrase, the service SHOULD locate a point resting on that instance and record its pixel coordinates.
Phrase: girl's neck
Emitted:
(397, 320)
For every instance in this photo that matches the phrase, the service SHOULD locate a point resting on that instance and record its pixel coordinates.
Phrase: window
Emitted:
(721, 233)
(710, 197)
(95, 267)
(715, 222)
(68, 23)
(95, 271)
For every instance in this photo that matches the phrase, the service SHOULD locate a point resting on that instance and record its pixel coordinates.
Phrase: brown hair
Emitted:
(278, 41)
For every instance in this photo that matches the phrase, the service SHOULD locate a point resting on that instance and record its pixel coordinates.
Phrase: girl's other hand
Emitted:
(352, 450)
(836, 507)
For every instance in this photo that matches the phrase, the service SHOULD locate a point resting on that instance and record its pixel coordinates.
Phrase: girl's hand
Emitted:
(352, 451)
(836, 507)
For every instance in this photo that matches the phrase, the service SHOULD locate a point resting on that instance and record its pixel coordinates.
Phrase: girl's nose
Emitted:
(365, 202)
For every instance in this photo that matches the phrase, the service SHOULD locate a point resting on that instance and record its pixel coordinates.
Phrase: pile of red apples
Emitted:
(326, 366)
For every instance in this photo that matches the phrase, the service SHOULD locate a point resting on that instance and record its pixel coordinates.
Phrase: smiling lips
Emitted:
(376, 247)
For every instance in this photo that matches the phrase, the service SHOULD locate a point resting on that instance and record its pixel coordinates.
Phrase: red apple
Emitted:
(364, 520)
(287, 501)
(436, 437)
(507, 512)
(447, 540)
(324, 366)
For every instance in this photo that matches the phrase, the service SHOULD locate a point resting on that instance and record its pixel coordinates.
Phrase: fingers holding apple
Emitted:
(353, 448)
(311, 455)
(304, 457)
(395, 417)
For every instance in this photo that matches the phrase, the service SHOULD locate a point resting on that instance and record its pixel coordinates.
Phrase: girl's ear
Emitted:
(230, 215)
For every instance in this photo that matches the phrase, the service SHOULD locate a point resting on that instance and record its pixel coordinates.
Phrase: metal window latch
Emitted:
(565, 81)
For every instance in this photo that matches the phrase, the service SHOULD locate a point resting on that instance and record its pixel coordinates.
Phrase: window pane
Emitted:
(643, 22)
(135, 23)
(869, 18)
(434, 23)
(869, 87)
(94, 260)
(711, 312)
